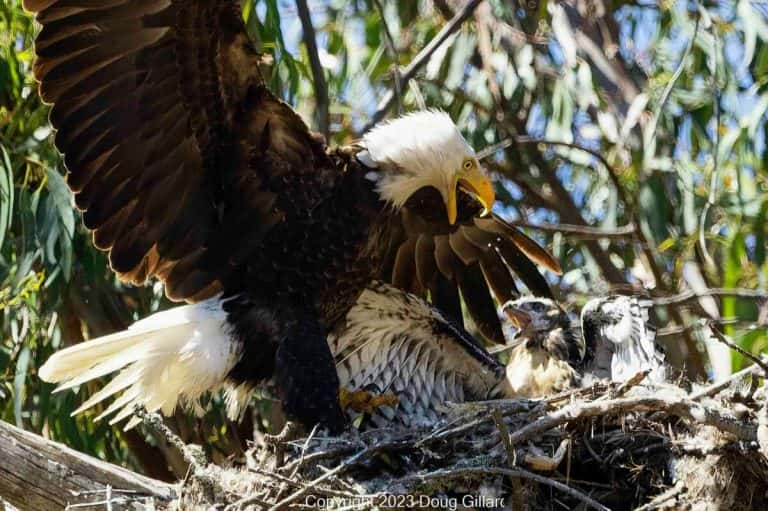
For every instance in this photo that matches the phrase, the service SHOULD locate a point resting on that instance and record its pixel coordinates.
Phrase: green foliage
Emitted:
(673, 95)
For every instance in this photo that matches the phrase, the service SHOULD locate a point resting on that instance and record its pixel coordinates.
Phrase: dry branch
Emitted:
(318, 74)
(680, 406)
(37, 474)
(422, 58)
(625, 232)
(688, 296)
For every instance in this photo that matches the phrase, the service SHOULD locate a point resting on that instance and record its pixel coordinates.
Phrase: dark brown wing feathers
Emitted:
(175, 150)
(499, 278)
(147, 97)
(477, 258)
(426, 267)
(479, 302)
(494, 224)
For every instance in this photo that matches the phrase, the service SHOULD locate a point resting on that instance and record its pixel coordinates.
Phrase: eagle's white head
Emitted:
(423, 149)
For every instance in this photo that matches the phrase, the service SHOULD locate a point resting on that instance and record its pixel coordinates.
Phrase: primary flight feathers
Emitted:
(189, 170)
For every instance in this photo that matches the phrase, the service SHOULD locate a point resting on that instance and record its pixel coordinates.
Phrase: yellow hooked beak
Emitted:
(475, 182)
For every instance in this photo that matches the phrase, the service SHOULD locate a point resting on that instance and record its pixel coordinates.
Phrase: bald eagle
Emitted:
(189, 170)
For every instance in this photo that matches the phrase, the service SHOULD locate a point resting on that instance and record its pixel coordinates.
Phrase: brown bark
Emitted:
(37, 474)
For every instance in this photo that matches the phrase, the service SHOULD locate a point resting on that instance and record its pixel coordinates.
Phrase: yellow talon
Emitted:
(363, 401)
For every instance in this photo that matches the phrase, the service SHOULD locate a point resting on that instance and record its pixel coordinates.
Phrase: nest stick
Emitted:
(463, 472)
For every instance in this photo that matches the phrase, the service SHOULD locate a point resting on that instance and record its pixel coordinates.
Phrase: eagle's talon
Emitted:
(363, 401)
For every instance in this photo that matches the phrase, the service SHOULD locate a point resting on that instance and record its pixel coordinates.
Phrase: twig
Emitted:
(651, 130)
(392, 49)
(581, 231)
(612, 174)
(591, 449)
(421, 58)
(527, 140)
(317, 456)
(720, 336)
(454, 473)
(531, 407)
(544, 463)
(677, 330)
(718, 387)
(304, 450)
(715, 153)
(299, 484)
(318, 74)
(504, 432)
(247, 501)
(661, 498)
(687, 296)
(305, 489)
(192, 454)
(342, 467)
(625, 386)
(682, 407)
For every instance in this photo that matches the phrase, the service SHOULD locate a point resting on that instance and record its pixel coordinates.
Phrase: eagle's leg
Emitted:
(363, 401)
(305, 376)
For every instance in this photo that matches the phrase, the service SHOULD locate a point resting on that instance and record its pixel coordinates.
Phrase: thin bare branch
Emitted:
(718, 387)
(393, 54)
(720, 336)
(712, 195)
(682, 407)
(688, 296)
(318, 74)
(422, 58)
(464, 472)
(668, 89)
(626, 232)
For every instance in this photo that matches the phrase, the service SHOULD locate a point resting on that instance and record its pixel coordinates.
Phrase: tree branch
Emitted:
(36, 474)
(582, 232)
(392, 49)
(467, 472)
(422, 58)
(681, 407)
(318, 74)
(689, 296)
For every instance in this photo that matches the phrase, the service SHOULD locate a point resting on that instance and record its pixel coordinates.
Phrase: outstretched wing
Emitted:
(477, 258)
(393, 342)
(169, 135)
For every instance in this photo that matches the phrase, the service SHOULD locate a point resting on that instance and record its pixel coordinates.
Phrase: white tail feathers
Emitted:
(170, 358)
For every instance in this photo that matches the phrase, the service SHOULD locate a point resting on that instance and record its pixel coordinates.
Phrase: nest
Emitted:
(628, 446)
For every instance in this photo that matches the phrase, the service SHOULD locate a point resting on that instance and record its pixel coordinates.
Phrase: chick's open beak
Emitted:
(474, 182)
(518, 318)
